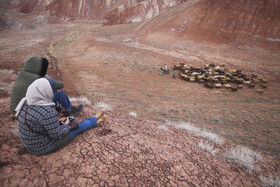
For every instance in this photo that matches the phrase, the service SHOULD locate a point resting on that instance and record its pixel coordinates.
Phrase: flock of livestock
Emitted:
(213, 76)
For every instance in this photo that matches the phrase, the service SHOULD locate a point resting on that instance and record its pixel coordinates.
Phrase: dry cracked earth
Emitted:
(125, 151)
(141, 150)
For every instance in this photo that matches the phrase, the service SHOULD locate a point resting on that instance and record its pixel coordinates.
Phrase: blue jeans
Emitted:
(60, 98)
(83, 126)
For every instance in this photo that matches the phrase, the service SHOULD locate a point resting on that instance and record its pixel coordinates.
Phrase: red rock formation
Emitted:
(83, 9)
(222, 21)
(65, 9)
(24, 6)
(121, 11)
(139, 11)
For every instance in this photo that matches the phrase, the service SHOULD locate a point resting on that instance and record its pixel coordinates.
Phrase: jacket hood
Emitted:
(39, 93)
(36, 65)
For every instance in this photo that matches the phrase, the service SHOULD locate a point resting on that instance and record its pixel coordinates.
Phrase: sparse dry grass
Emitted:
(244, 157)
(133, 114)
(198, 132)
(14, 128)
(101, 105)
(270, 180)
(211, 137)
(80, 99)
(207, 147)
(188, 127)
(162, 127)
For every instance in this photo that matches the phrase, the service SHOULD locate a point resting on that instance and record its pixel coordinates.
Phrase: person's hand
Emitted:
(62, 119)
(67, 121)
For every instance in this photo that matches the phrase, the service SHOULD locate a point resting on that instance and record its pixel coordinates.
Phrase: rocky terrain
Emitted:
(160, 131)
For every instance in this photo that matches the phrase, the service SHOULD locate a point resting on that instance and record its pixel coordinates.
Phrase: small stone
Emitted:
(104, 176)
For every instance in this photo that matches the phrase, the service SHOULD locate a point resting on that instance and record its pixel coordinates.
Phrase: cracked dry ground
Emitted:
(126, 151)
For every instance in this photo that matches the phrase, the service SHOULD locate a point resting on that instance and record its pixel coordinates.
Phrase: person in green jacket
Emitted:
(35, 68)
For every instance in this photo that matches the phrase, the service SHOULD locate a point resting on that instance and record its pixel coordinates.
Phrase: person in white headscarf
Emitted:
(40, 129)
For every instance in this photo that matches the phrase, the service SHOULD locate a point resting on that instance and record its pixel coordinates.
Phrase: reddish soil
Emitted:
(126, 151)
(104, 66)
(221, 22)
(119, 66)
(126, 75)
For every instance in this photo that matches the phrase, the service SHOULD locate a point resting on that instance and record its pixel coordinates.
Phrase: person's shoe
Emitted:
(76, 110)
(58, 108)
(101, 120)
(100, 114)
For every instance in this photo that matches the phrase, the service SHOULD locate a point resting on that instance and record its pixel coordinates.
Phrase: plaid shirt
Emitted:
(42, 119)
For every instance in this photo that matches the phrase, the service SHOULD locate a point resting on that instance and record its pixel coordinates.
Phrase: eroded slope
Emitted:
(223, 22)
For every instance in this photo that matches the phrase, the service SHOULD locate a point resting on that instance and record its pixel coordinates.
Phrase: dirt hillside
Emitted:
(160, 131)
(125, 151)
(254, 23)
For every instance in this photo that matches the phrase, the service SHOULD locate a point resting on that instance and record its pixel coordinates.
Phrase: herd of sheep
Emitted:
(213, 76)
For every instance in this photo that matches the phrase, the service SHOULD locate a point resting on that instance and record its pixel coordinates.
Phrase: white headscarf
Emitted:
(39, 93)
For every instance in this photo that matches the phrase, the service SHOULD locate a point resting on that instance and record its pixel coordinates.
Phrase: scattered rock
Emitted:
(104, 132)
(2, 164)
(4, 94)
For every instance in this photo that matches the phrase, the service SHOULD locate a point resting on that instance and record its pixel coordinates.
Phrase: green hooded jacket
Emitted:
(34, 68)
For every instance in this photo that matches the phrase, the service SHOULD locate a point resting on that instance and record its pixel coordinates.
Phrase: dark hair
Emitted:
(44, 67)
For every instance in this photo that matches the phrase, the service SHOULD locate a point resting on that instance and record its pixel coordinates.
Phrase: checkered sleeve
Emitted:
(52, 126)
